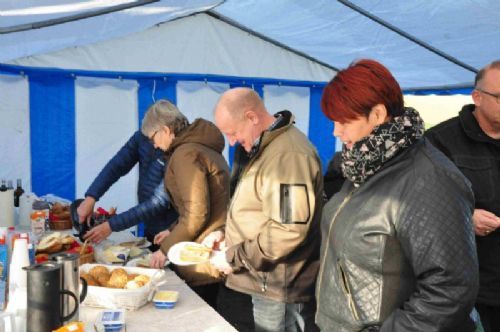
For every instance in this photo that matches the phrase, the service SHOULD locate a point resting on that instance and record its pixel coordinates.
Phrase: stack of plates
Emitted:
(165, 299)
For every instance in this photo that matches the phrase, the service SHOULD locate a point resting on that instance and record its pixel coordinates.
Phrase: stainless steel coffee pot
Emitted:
(70, 279)
(46, 295)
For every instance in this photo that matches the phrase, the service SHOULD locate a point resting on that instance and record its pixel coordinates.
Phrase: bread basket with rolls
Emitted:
(120, 287)
(60, 217)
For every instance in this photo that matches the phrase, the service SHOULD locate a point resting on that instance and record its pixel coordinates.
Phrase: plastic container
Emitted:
(112, 320)
(4, 264)
(165, 299)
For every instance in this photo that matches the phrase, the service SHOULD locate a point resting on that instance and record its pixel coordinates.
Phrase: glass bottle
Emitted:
(18, 192)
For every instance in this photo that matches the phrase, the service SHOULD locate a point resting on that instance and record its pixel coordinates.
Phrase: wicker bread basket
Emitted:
(86, 257)
(59, 225)
(129, 299)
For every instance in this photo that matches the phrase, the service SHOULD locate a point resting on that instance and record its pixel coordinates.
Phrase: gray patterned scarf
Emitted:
(369, 154)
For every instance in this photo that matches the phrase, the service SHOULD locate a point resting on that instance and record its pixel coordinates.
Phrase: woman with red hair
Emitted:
(398, 251)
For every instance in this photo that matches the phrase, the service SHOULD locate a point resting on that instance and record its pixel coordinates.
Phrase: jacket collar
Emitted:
(471, 126)
(284, 120)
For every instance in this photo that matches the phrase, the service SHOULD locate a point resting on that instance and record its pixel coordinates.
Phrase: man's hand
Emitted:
(218, 260)
(215, 240)
(158, 259)
(86, 209)
(485, 222)
(98, 233)
(160, 236)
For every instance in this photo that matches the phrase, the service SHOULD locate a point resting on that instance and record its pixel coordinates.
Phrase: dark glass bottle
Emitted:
(18, 192)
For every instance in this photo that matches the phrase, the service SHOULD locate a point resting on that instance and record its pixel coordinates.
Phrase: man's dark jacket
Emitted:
(478, 157)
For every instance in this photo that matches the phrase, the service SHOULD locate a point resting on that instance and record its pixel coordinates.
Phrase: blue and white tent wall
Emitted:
(58, 131)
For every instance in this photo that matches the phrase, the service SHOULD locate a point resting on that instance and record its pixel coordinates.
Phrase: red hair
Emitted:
(355, 90)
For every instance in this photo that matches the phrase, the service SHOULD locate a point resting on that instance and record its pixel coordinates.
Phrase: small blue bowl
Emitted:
(165, 299)
(164, 305)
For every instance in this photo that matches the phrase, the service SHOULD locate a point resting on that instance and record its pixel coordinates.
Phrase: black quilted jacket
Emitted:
(398, 252)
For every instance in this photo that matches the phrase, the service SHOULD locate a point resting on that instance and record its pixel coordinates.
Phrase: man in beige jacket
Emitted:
(270, 245)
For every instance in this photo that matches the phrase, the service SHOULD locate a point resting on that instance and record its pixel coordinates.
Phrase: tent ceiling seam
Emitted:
(407, 36)
(72, 18)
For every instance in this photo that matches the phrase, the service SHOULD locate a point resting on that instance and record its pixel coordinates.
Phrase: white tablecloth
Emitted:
(191, 313)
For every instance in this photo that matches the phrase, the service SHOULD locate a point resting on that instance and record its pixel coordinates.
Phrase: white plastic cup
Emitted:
(20, 258)
(7, 321)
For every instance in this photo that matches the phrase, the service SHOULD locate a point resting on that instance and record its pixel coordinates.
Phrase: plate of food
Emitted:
(143, 261)
(139, 242)
(189, 253)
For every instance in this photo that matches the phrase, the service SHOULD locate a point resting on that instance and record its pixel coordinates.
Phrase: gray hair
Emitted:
(163, 113)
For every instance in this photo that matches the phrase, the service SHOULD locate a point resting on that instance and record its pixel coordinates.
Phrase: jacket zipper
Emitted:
(322, 264)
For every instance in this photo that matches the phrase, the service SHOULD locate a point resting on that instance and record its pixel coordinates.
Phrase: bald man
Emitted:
(270, 245)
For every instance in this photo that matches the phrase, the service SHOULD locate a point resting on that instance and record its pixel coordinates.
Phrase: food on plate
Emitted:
(144, 261)
(115, 254)
(135, 243)
(135, 252)
(50, 244)
(56, 242)
(68, 239)
(195, 253)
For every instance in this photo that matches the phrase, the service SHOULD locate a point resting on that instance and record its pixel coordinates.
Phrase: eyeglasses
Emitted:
(152, 138)
(496, 96)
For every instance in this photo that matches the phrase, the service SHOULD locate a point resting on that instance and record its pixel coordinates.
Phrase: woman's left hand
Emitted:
(158, 259)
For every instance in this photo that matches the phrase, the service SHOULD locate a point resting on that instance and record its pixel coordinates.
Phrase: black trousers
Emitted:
(208, 293)
(490, 317)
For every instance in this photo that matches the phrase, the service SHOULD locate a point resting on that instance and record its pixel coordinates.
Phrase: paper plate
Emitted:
(174, 254)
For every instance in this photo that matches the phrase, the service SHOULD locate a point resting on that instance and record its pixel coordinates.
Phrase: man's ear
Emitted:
(476, 97)
(250, 115)
(167, 130)
(378, 114)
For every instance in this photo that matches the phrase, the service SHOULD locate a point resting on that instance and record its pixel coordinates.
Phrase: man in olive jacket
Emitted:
(271, 239)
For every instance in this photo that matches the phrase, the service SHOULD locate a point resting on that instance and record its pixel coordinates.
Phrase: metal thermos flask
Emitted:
(46, 297)
(70, 280)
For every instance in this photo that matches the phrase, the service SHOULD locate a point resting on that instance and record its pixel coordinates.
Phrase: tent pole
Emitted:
(76, 17)
(408, 36)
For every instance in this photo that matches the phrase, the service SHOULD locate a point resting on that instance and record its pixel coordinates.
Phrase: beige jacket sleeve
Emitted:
(191, 196)
(287, 186)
